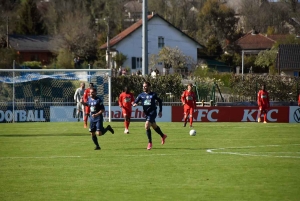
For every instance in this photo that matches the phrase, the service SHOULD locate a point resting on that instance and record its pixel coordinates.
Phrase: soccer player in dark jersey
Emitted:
(188, 99)
(148, 100)
(126, 100)
(263, 103)
(96, 117)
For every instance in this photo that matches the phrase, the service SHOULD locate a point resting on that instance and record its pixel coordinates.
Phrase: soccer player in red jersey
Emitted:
(188, 99)
(263, 103)
(87, 108)
(126, 100)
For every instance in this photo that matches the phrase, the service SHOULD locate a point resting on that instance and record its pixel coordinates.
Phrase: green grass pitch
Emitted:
(224, 161)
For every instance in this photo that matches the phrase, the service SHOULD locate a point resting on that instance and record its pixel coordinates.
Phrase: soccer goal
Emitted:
(47, 95)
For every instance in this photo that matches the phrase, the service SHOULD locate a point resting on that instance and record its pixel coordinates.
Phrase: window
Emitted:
(161, 42)
(136, 62)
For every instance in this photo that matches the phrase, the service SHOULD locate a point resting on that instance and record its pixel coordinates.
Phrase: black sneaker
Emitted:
(110, 129)
(97, 148)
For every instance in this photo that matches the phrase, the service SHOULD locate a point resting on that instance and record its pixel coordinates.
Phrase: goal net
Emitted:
(47, 95)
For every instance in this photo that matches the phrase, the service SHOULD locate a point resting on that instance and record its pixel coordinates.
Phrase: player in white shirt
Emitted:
(77, 97)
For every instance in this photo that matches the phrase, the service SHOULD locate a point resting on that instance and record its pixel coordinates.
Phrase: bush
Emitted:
(280, 88)
(33, 64)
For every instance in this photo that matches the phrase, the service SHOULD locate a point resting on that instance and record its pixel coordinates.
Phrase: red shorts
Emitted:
(126, 111)
(188, 109)
(263, 108)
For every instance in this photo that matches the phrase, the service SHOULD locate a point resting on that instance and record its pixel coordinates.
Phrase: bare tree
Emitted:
(76, 35)
(262, 15)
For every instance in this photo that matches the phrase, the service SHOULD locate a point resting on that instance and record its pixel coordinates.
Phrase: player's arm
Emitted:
(132, 99)
(85, 96)
(83, 103)
(258, 99)
(75, 95)
(120, 100)
(138, 99)
(183, 98)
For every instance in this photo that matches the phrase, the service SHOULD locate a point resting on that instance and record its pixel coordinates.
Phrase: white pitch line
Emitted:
(39, 157)
(215, 151)
(139, 155)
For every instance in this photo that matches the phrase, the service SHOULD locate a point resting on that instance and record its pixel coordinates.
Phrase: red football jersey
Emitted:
(188, 98)
(299, 100)
(263, 98)
(126, 100)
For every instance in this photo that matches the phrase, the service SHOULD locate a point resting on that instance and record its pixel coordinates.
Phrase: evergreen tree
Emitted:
(30, 20)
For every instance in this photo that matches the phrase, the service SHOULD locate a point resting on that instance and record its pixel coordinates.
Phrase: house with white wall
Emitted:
(160, 33)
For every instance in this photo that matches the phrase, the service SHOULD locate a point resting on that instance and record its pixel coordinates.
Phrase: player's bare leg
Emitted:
(85, 120)
(265, 116)
(258, 116)
(126, 124)
(191, 118)
(185, 118)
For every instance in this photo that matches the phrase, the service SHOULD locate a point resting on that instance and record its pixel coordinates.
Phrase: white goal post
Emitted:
(35, 94)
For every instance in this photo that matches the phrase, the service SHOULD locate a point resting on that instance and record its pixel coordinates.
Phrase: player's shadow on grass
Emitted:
(45, 135)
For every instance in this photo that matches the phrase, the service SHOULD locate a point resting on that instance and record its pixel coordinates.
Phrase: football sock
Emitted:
(191, 120)
(148, 132)
(157, 129)
(265, 117)
(95, 140)
(126, 124)
(104, 130)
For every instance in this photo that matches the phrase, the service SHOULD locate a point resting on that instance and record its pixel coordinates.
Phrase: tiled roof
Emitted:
(124, 33)
(41, 43)
(134, 27)
(255, 42)
(289, 56)
(277, 37)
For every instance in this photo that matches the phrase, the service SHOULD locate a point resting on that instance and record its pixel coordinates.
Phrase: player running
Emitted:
(96, 117)
(148, 99)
